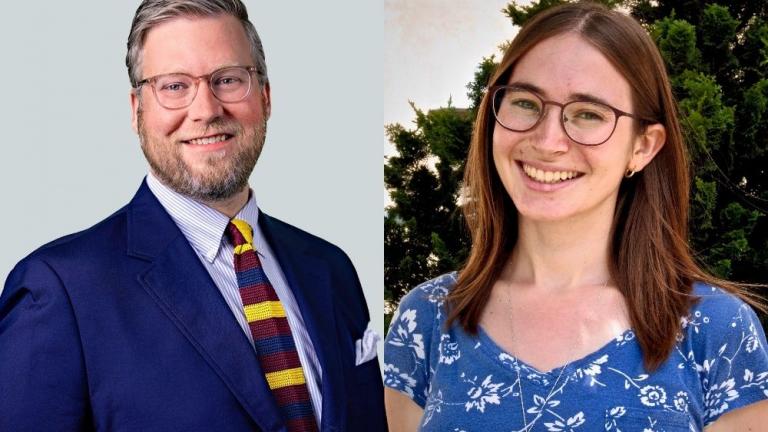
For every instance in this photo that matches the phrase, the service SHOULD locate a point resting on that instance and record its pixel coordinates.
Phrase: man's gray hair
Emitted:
(153, 12)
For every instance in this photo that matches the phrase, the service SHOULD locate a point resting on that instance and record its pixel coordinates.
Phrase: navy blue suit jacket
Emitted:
(121, 328)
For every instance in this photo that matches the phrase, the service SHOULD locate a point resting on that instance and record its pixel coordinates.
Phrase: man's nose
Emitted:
(549, 135)
(205, 107)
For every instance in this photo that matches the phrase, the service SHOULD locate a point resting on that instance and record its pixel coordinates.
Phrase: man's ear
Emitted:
(135, 106)
(267, 101)
(647, 145)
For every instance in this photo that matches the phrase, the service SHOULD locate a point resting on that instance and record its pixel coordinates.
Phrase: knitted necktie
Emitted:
(271, 334)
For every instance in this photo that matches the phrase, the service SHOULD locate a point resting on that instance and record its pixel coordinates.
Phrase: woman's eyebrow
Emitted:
(528, 86)
(585, 97)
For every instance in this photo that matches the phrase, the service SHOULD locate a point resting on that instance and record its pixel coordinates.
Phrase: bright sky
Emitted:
(431, 51)
(432, 48)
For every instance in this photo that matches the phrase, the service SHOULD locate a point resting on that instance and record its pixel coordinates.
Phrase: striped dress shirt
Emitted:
(204, 229)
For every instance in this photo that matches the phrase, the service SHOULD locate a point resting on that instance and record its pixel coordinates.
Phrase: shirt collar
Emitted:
(201, 225)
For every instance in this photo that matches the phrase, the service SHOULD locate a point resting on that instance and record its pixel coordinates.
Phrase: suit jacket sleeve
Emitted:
(366, 393)
(42, 376)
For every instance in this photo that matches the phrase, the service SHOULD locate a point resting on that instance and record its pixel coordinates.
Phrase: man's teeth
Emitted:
(548, 176)
(208, 140)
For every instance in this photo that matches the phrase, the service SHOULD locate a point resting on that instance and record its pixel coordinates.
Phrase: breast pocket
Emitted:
(621, 419)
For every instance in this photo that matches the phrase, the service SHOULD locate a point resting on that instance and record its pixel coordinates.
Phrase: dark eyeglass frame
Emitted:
(494, 90)
(196, 79)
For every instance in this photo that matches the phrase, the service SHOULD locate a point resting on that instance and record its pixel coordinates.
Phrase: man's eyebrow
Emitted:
(585, 97)
(182, 70)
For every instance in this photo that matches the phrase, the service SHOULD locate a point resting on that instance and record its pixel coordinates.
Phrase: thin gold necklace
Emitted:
(527, 426)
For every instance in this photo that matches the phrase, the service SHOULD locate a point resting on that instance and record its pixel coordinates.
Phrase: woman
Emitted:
(580, 306)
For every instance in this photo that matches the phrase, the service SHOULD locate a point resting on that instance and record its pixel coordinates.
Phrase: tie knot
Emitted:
(239, 232)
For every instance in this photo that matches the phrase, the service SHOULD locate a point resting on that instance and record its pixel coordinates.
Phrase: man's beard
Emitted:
(225, 174)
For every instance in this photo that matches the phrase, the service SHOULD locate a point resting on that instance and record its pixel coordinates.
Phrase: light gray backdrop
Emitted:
(69, 157)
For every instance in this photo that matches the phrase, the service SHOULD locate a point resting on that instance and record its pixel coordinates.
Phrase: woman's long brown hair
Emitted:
(650, 259)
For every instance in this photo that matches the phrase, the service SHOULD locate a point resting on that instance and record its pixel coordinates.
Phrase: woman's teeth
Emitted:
(548, 176)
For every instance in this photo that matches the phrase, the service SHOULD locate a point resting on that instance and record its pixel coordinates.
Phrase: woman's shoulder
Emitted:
(430, 295)
(721, 323)
(412, 341)
(421, 313)
(718, 307)
(726, 345)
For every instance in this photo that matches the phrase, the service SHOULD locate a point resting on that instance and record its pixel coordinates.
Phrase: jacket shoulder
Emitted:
(293, 235)
(97, 239)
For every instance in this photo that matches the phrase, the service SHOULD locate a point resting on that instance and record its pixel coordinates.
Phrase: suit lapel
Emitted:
(183, 289)
(309, 278)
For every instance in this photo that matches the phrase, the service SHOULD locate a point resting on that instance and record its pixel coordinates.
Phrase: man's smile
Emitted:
(207, 140)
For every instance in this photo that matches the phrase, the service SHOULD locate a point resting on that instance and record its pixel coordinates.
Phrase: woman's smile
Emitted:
(538, 164)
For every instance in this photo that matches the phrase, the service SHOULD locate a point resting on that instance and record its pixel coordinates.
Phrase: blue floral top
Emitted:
(467, 383)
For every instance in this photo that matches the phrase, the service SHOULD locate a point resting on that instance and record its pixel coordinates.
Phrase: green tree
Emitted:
(423, 233)
(717, 57)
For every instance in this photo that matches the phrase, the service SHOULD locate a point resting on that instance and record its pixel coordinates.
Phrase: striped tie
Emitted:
(271, 334)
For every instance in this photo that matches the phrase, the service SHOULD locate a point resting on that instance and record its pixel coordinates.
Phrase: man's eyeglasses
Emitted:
(585, 122)
(178, 90)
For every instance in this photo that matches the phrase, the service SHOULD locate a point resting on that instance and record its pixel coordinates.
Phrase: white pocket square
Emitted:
(365, 347)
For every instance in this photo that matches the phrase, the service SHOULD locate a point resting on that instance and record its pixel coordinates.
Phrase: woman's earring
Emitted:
(629, 173)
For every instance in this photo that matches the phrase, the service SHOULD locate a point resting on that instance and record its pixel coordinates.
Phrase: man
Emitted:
(189, 308)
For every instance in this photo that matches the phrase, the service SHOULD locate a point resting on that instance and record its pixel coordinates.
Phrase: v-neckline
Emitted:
(509, 360)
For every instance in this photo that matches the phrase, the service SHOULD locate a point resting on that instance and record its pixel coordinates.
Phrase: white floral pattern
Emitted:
(466, 382)
(592, 370)
(612, 416)
(404, 333)
(624, 338)
(480, 394)
(568, 425)
(395, 379)
(681, 401)
(449, 350)
(652, 396)
(718, 396)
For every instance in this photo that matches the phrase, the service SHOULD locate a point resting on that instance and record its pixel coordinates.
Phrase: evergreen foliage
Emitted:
(717, 57)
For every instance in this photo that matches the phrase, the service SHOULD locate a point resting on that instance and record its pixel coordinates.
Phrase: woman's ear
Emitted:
(646, 145)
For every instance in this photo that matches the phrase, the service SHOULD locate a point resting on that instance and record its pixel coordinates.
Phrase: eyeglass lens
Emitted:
(586, 123)
(178, 90)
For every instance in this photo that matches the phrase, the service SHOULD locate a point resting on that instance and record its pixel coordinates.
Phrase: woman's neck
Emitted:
(560, 255)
